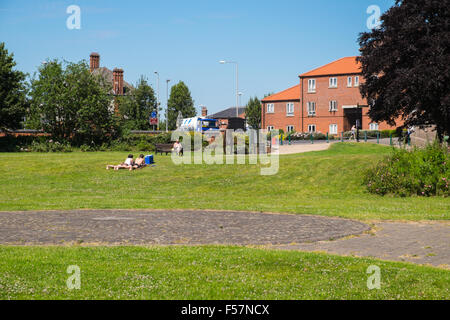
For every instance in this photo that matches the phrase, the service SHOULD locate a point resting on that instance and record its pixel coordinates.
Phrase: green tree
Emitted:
(253, 113)
(406, 65)
(13, 102)
(71, 104)
(135, 109)
(180, 100)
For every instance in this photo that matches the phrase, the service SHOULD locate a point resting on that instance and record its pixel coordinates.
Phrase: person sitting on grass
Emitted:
(128, 164)
(178, 148)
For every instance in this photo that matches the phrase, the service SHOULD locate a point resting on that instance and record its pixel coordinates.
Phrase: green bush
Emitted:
(50, 146)
(422, 172)
(307, 136)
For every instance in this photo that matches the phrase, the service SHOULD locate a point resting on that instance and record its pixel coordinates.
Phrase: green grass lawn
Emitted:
(322, 183)
(208, 273)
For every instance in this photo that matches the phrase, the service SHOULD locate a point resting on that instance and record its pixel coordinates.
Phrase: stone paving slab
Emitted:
(170, 227)
(417, 242)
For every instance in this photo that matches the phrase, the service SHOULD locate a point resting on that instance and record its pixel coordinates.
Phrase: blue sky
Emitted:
(273, 41)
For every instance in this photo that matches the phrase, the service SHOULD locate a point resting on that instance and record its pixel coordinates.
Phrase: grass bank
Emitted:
(323, 183)
(208, 273)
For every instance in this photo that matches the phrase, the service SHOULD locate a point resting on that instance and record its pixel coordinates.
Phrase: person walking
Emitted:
(353, 135)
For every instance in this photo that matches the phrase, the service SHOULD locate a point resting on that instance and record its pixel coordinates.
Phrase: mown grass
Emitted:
(323, 183)
(208, 273)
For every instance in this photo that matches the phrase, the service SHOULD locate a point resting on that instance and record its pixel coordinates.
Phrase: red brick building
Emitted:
(115, 77)
(326, 100)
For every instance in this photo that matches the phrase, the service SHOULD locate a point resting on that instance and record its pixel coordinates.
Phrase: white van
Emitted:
(199, 124)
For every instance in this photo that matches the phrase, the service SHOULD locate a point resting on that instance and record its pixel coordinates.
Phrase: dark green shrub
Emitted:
(88, 148)
(422, 172)
(50, 146)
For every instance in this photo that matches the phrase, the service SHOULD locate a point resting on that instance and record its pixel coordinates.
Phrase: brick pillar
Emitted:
(118, 81)
(94, 61)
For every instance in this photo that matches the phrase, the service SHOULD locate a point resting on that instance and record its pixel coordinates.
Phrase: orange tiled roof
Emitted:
(288, 94)
(347, 65)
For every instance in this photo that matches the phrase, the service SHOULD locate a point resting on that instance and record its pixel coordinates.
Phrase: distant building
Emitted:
(282, 110)
(115, 77)
(225, 115)
(326, 100)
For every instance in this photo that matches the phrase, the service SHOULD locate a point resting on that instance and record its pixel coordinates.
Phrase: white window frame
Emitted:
(270, 128)
(335, 126)
(333, 106)
(356, 83)
(373, 126)
(349, 82)
(310, 126)
(333, 82)
(311, 85)
(311, 111)
(290, 108)
(290, 127)
(270, 108)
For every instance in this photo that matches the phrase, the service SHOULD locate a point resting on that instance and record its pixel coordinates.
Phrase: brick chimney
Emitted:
(94, 61)
(118, 81)
(204, 111)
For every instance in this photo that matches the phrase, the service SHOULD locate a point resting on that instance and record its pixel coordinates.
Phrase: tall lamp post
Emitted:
(157, 98)
(167, 109)
(237, 83)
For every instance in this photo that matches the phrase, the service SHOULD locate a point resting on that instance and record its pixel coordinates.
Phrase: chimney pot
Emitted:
(118, 81)
(94, 61)
(204, 111)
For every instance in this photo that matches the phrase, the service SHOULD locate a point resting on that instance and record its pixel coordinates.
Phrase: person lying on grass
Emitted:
(140, 162)
(128, 164)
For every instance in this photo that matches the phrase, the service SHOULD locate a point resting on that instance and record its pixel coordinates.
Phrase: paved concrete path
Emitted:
(418, 242)
(303, 147)
(170, 227)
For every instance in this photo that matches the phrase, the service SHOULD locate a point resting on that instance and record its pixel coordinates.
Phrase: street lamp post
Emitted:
(157, 99)
(167, 109)
(237, 83)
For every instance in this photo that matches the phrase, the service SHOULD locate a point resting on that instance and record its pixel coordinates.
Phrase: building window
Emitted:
(311, 128)
(290, 129)
(311, 109)
(333, 129)
(356, 81)
(373, 126)
(333, 106)
(269, 128)
(312, 85)
(290, 109)
(333, 82)
(270, 108)
(349, 81)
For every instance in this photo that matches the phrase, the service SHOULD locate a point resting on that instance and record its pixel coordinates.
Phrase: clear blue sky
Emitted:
(273, 41)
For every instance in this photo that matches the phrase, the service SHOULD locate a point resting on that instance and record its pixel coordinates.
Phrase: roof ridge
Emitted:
(280, 92)
(326, 65)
